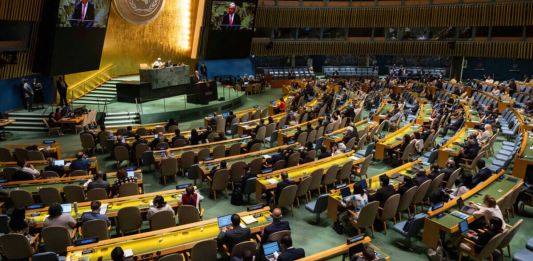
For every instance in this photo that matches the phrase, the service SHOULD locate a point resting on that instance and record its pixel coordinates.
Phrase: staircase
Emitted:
(113, 119)
(105, 93)
(26, 121)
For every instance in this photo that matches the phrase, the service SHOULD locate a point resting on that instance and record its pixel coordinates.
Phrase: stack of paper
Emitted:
(249, 219)
(272, 181)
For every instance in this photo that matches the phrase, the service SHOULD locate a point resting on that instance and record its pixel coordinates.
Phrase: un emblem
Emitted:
(139, 11)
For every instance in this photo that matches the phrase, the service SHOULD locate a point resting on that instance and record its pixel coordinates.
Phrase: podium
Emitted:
(202, 92)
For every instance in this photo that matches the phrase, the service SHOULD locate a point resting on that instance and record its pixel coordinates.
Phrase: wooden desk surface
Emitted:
(164, 241)
(394, 139)
(142, 201)
(448, 223)
(176, 152)
(343, 249)
(453, 146)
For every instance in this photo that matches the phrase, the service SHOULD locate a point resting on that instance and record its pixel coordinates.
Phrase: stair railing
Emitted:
(90, 83)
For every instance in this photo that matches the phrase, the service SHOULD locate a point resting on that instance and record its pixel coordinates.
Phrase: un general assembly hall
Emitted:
(266, 130)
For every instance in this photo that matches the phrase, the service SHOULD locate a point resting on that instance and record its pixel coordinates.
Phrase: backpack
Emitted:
(236, 196)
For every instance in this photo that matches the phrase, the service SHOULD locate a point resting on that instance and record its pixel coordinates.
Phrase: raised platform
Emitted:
(122, 113)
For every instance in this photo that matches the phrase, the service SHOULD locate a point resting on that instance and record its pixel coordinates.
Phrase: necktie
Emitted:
(230, 20)
(83, 12)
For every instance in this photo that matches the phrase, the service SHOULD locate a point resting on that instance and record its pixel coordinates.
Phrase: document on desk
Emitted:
(249, 219)
(272, 181)
(103, 209)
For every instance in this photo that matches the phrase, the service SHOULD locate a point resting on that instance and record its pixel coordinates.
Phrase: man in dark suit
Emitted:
(285, 182)
(384, 192)
(324, 153)
(291, 253)
(483, 173)
(80, 163)
(203, 72)
(276, 226)
(83, 15)
(231, 20)
(235, 235)
(62, 87)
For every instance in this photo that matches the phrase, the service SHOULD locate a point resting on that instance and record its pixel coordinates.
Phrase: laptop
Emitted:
(269, 249)
(463, 226)
(464, 208)
(346, 192)
(59, 163)
(437, 206)
(224, 221)
(67, 208)
(131, 174)
(225, 114)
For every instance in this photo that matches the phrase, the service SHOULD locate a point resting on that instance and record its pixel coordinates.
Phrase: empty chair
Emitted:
(74, 193)
(255, 165)
(20, 154)
(219, 152)
(303, 190)
(256, 147)
(95, 228)
(186, 160)
(239, 249)
(366, 217)
(129, 220)
(330, 177)
(97, 194)
(420, 194)
(261, 133)
(87, 142)
(9, 171)
(5, 155)
(162, 219)
(188, 214)
(15, 246)
(318, 206)
(389, 210)
(168, 168)
(302, 138)
(204, 251)
(140, 149)
(121, 153)
(204, 154)
(78, 173)
(453, 177)
(56, 239)
(249, 188)
(287, 197)
(49, 196)
(128, 189)
(48, 174)
(345, 172)
(172, 257)
(405, 201)
(35, 155)
(362, 171)
(21, 198)
(316, 180)
(435, 185)
(237, 171)
(235, 149)
(219, 182)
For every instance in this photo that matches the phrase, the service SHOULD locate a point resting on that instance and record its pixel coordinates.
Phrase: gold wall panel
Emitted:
(513, 13)
(518, 50)
(127, 45)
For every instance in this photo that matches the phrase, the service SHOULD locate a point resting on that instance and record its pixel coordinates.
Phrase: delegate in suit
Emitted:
(83, 15)
(231, 20)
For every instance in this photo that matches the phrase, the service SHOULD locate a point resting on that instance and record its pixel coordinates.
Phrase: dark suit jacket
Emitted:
(276, 226)
(80, 164)
(89, 16)
(324, 155)
(236, 22)
(234, 236)
(292, 254)
(481, 176)
(383, 194)
(20, 175)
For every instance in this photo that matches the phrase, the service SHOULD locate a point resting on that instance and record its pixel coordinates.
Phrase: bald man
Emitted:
(277, 225)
